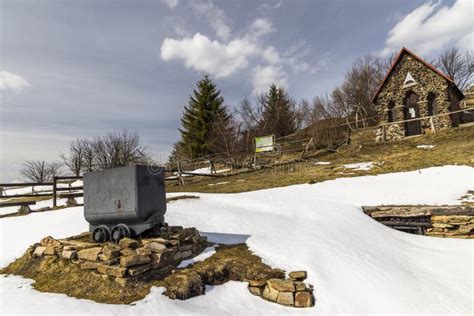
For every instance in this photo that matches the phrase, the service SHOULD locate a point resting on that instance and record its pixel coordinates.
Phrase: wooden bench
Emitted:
(24, 206)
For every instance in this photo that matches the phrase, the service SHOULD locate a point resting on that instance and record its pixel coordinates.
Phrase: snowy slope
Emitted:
(357, 265)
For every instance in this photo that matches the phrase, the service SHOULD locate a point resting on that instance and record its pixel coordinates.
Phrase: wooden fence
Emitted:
(72, 190)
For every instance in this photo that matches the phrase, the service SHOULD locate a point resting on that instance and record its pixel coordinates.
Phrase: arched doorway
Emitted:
(432, 105)
(411, 111)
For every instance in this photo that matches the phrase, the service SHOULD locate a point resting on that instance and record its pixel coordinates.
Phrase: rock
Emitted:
(304, 299)
(128, 252)
(256, 290)
(110, 252)
(128, 243)
(24, 209)
(90, 254)
(50, 241)
(257, 283)
(298, 275)
(156, 247)
(78, 245)
(115, 271)
(186, 254)
(49, 250)
(89, 265)
(159, 260)
(136, 270)
(186, 247)
(300, 286)
(159, 240)
(69, 254)
(135, 260)
(143, 251)
(286, 298)
(186, 234)
(39, 251)
(270, 294)
(177, 256)
(69, 248)
(281, 285)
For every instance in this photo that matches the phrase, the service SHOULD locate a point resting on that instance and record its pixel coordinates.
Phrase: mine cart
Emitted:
(124, 202)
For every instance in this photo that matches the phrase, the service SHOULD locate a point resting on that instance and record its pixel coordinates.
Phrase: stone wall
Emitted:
(289, 292)
(454, 226)
(426, 81)
(451, 221)
(128, 259)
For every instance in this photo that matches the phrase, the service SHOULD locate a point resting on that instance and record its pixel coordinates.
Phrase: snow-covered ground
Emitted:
(356, 265)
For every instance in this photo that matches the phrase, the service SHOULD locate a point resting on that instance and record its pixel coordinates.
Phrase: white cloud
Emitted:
(260, 27)
(202, 54)
(270, 5)
(432, 27)
(171, 3)
(216, 16)
(264, 76)
(11, 81)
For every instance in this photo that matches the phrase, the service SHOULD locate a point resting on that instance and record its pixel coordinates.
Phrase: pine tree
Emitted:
(204, 109)
(277, 117)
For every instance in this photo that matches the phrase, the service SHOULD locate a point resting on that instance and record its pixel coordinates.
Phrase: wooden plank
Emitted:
(71, 194)
(69, 188)
(6, 204)
(24, 195)
(24, 184)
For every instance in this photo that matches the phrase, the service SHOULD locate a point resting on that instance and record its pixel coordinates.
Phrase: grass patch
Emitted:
(451, 147)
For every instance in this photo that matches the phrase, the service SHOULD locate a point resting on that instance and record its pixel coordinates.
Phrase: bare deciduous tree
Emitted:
(458, 66)
(118, 150)
(75, 159)
(40, 171)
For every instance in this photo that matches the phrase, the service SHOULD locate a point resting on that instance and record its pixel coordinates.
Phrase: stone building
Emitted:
(412, 89)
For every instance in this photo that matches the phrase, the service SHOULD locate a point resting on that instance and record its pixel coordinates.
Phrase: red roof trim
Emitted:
(398, 58)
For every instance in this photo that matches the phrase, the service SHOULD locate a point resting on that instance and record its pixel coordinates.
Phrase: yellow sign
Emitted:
(264, 143)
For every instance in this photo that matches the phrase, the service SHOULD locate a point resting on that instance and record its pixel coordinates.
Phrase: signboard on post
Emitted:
(264, 143)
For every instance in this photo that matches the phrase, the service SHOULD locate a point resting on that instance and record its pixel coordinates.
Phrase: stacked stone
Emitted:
(129, 258)
(289, 292)
(456, 226)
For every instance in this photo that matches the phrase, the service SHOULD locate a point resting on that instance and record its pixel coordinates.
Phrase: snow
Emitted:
(362, 166)
(357, 265)
(208, 252)
(323, 163)
(425, 146)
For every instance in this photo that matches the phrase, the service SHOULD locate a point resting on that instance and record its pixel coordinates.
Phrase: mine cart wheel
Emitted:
(101, 234)
(120, 231)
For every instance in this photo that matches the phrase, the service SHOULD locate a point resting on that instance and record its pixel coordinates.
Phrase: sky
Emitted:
(80, 68)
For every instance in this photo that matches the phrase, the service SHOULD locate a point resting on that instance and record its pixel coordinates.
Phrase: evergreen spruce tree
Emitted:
(277, 117)
(204, 109)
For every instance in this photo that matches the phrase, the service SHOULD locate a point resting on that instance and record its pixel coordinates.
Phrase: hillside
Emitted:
(356, 264)
(448, 147)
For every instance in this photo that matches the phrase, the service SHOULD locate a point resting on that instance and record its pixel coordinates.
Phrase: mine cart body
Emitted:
(131, 197)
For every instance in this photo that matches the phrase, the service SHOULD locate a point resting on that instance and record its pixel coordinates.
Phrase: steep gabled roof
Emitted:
(402, 52)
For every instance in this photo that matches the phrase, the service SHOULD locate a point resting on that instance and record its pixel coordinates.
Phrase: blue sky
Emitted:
(81, 68)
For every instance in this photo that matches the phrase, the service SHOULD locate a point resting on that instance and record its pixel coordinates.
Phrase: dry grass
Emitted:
(453, 146)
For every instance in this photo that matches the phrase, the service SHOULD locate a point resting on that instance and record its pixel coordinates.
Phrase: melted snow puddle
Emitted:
(362, 166)
(323, 163)
(425, 146)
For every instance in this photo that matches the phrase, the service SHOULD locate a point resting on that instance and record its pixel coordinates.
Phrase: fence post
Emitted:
(54, 191)
(433, 130)
(180, 176)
